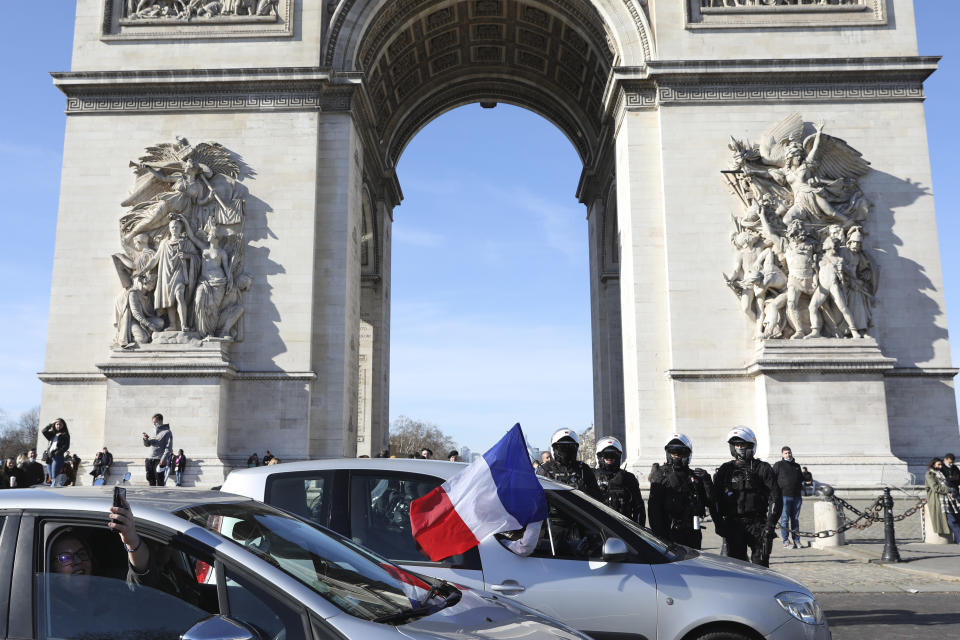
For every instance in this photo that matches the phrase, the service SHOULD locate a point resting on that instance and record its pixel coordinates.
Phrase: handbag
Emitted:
(45, 456)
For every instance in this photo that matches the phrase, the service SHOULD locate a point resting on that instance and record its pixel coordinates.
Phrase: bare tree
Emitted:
(411, 436)
(18, 436)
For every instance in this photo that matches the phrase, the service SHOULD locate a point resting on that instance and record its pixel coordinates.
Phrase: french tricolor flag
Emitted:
(498, 492)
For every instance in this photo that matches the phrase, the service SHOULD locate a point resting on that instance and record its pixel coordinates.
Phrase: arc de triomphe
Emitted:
(763, 248)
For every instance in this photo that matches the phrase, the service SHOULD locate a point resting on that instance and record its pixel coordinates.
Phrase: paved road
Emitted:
(900, 616)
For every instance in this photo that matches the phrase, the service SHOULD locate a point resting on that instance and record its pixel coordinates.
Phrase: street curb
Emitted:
(866, 556)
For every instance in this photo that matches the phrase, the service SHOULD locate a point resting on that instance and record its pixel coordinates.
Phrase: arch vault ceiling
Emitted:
(421, 58)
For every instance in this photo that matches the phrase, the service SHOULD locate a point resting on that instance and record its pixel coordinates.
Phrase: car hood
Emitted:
(709, 563)
(478, 615)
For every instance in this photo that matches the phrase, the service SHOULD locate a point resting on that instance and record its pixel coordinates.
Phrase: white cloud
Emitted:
(416, 237)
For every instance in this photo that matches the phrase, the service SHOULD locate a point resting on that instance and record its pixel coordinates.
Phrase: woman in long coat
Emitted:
(942, 504)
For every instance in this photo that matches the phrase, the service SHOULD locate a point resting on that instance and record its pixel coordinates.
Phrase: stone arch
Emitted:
(420, 58)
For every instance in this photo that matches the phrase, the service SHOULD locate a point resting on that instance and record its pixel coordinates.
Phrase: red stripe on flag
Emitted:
(437, 526)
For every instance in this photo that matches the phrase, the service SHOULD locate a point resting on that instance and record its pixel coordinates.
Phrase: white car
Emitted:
(221, 567)
(592, 569)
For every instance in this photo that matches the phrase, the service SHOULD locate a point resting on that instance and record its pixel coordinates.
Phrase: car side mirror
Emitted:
(614, 550)
(219, 628)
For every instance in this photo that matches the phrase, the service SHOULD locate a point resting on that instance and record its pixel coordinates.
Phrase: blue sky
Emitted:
(491, 316)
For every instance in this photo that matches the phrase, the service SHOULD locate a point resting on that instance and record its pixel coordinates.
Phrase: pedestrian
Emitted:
(70, 466)
(59, 438)
(809, 486)
(383, 453)
(790, 481)
(160, 453)
(273, 461)
(11, 476)
(680, 496)
(101, 464)
(619, 489)
(654, 469)
(564, 466)
(267, 457)
(942, 503)
(951, 473)
(33, 473)
(748, 500)
(179, 464)
(253, 460)
(453, 456)
(426, 454)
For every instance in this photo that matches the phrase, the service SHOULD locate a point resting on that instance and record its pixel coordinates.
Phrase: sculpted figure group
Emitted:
(182, 239)
(185, 10)
(800, 269)
(774, 3)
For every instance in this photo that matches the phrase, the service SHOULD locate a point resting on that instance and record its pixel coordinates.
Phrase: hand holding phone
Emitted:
(119, 496)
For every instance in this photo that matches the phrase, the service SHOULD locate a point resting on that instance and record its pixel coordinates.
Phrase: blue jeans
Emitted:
(179, 477)
(953, 520)
(791, 513)
(56, 468)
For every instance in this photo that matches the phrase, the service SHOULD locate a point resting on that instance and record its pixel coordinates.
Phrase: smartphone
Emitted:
(119, 496)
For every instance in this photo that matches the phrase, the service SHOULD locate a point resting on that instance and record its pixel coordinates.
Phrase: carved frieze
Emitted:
(185, 19)
(800, 267)
(181, 265)
(784, 13)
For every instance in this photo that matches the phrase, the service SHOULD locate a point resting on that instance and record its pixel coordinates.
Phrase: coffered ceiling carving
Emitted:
(423, 57)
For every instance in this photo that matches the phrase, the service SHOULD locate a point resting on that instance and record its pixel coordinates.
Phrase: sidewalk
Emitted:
(926, 568)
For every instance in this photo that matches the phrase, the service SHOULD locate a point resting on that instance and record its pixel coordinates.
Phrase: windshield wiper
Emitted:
(449, 595)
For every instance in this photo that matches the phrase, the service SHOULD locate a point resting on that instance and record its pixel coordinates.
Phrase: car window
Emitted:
(267, 615)
(568, 535)
(380, 512)
(308, 495)
(82, 588)
(343, 573)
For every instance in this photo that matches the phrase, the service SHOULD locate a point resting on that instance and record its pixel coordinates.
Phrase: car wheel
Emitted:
(724, 634)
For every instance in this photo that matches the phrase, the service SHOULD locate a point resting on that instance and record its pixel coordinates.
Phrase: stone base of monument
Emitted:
(188, 381)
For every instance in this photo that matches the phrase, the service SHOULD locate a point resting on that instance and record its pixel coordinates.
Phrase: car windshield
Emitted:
(348, 576)
(589, 505)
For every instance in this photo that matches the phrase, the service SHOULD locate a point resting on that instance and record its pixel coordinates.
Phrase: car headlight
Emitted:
(801, 606)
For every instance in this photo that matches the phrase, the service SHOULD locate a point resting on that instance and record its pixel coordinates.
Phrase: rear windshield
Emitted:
(346, 575)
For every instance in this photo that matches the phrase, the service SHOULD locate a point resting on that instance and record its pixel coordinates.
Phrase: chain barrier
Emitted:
(872, 514)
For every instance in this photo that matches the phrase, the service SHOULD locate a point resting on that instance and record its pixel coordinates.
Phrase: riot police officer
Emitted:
(565, 467)
(748, 500)
(680, 496)
(619, 489)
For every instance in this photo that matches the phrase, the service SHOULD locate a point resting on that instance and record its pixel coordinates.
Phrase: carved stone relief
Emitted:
(800, 268)
(189, 19)
(784, 13)
(187, 10)
(181, 266)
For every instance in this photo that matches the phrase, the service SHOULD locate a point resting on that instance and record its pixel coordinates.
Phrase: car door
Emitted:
(566, 577)
(9, 522)
(379, 519)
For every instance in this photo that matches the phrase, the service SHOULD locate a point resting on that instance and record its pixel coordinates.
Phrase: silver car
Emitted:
(222, 566)
(592, 568)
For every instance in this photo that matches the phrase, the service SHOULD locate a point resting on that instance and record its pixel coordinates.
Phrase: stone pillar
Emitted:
(647, 396)
(335, 339)
(605, 320)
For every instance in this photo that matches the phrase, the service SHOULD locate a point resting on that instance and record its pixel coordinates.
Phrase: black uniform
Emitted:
(576, 474)
(677, 494)
(620, 490)
(749, 504)
(952, 476)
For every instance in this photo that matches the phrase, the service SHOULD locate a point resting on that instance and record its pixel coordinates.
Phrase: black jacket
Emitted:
(789, 477)
(63, 440)
(748, 490)
(32, 473)
(578, 475)
(677, 494)
(620, 490)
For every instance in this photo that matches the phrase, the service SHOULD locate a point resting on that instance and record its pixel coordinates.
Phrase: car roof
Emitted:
(439, 468)
(141, 499)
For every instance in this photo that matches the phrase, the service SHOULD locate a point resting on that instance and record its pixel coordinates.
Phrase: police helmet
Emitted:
(565, 444)
(609, 448)
(740, 434)
(680, 444)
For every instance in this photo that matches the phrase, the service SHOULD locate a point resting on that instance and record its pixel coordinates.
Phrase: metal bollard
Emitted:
(890, 552)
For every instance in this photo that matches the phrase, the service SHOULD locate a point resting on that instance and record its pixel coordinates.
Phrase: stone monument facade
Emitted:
(235, 276)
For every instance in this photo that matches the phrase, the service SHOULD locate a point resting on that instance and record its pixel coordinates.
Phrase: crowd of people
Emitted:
(746, 497)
